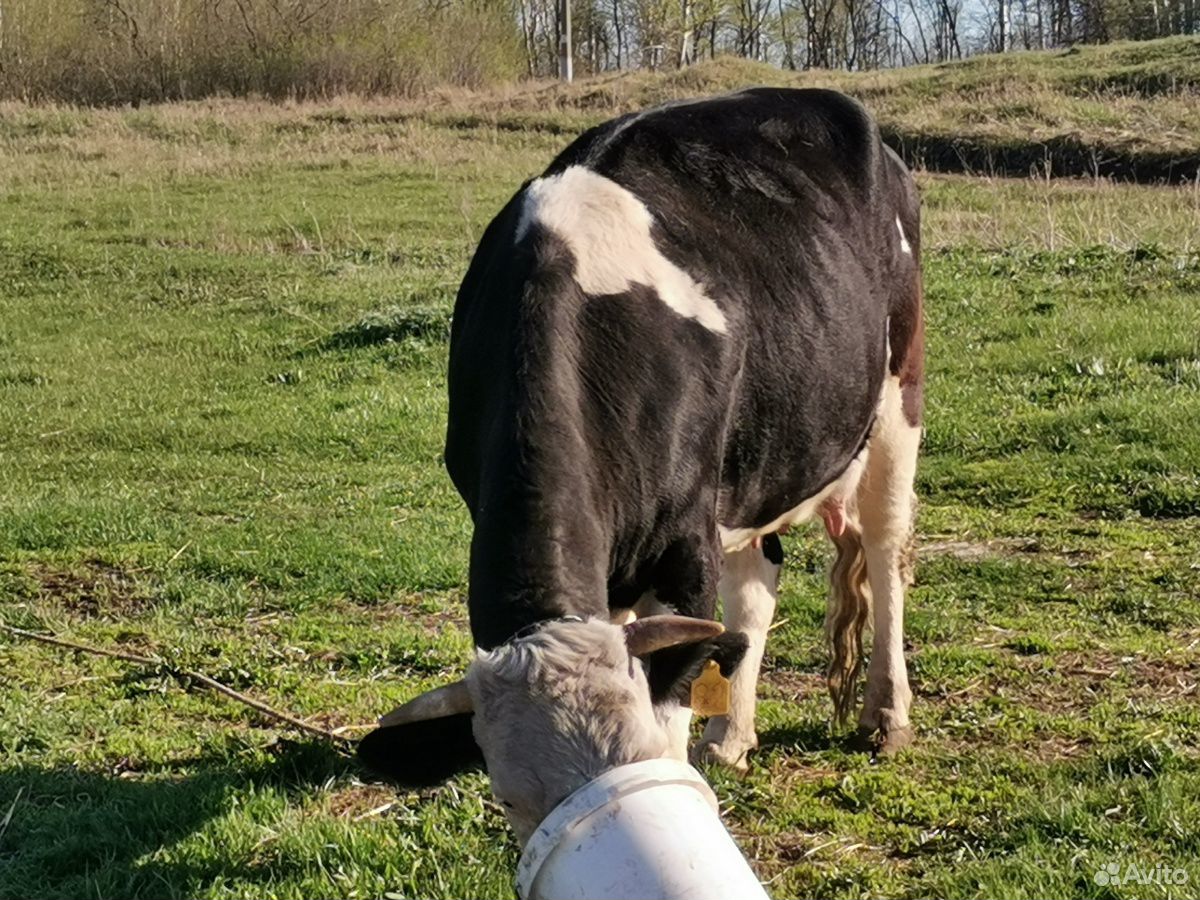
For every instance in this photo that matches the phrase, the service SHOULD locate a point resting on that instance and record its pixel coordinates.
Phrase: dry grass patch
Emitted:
(92, 589)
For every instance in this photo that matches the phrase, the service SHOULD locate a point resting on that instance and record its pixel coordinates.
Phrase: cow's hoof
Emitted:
(884, 742)
(729, 755)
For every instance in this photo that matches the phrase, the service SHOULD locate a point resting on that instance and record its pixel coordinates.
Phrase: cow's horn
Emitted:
(448, 700)
(622, 616)
(658, 632)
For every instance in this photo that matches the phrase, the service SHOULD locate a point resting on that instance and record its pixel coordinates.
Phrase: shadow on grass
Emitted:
(75, 834)
(1069, 156)
(806, 737)
(393, 325)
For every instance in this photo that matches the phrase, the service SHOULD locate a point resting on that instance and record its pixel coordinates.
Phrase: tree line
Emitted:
(835, 34)
(117, 51)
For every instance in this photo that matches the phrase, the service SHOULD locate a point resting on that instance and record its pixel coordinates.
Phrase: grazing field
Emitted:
(222, 344)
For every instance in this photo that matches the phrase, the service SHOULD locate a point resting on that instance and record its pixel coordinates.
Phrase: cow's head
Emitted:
(552, 710)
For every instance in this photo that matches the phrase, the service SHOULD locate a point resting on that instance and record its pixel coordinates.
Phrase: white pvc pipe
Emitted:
(645, 831)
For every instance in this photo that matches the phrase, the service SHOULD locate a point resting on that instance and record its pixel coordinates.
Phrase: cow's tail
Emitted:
(846, 617)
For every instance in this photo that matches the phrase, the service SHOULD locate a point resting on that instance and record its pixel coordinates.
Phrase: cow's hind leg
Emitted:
(748, 589)
(885, 506)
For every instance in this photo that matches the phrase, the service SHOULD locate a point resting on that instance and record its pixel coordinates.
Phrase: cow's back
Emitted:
(682, 324)
(784, 204)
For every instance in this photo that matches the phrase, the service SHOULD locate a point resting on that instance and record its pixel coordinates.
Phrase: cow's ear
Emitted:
(422, 753)
(672, 671)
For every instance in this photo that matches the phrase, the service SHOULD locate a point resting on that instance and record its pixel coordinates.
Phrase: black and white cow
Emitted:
(702, 324)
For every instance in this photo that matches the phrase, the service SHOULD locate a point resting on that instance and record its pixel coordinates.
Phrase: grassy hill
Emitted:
(1126, 110)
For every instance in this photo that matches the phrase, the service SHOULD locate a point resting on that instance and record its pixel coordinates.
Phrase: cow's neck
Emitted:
(540, 549)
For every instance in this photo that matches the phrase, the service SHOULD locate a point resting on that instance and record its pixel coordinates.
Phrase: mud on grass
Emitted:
(222, 405)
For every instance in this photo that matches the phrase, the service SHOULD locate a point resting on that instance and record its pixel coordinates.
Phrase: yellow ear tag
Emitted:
(710, 692)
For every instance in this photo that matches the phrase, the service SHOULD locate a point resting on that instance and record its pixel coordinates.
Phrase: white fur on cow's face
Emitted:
(557, 709)
(607, 229)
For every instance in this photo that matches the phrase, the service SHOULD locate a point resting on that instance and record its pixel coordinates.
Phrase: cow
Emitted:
(702, 324)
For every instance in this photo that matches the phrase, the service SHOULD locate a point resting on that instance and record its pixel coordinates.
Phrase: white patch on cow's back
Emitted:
(904, 244)
(608, 231)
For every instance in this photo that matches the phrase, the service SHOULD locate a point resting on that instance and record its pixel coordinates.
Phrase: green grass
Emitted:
(222, 399)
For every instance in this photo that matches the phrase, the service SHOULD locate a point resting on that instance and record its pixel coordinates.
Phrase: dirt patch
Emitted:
(975, 551)
(1054, 747)
(773, 854)
(1001, 548)
(797, 766)
(1086, 676)
(361, 801)
(91, 590)
(337, 723)
(429, 613)
(789, 684)
(1041, 747)
(1158, 678)
(1065, 682)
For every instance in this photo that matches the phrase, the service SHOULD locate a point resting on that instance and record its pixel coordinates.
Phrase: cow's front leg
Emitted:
(748, 588)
